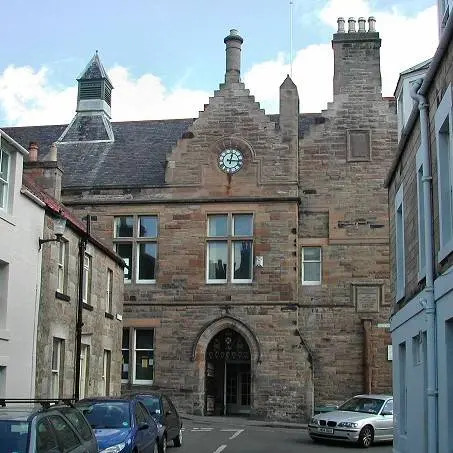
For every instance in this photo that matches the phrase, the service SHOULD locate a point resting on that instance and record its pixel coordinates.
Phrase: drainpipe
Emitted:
(428, 303)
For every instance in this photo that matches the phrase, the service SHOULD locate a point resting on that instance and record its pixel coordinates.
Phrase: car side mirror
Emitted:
(386, 413)
(143, 426)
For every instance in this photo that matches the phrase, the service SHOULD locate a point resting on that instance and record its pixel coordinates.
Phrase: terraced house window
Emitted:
(87, 279)
(57, 367)
(109, 292)
(311, 266)
(136, 240)
(4, 178)
(62, 266)
(229, 248)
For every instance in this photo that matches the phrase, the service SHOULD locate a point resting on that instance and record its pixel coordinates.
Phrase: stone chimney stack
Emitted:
(357, 68)
(233, 57)
(47, 173)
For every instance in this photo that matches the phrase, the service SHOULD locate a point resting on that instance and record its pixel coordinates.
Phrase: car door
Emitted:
(171, 418)
(144, 437)
(68, 440)
(386, 421)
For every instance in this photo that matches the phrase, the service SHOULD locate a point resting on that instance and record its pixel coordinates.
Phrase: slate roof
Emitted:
(94, 70)
(136, 158)
(87, 128)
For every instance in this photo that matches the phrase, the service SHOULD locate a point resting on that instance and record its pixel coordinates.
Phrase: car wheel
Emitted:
(177, 441)
(156, 448)
(163, 444)
(366, 436)
(314, 439)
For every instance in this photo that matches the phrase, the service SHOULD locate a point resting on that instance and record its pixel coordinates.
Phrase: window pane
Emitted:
(217, 260)
(312, 253)
(45, 440)
(125, 366)
(144, 365)
(4, 166)
(125, 344)
(79, 422)
(242, 257)
(243, 225)
(147, 226)
(55, 354)
(312, 272)
(147, 261)
(124, 227)
(125, 251)
(144, 339)
(218, 225)
(2, 194)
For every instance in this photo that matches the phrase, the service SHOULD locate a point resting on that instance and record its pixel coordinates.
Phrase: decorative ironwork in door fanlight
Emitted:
(228, 345)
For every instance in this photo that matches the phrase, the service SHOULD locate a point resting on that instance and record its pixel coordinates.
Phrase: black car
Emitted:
(168, 420)
(44, 426)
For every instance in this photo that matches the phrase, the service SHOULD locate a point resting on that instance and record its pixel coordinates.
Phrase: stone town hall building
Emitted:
(256, 245)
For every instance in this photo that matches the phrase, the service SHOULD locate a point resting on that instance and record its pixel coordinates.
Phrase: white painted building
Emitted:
(21, 224)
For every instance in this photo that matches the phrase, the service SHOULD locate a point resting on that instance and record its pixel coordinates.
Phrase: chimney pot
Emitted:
(33, 148)
(340, 22)
(362, 22)
(371, 24)
(351, 22)
(53, 152)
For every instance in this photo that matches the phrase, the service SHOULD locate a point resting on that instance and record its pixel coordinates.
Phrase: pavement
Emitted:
(240, 421)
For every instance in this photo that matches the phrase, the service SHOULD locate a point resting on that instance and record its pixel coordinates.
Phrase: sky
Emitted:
(165, 58)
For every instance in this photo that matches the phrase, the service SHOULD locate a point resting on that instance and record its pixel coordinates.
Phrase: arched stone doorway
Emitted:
(226, 381)
(228, 374)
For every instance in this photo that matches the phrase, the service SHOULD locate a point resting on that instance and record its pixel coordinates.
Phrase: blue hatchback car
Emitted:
(121, 425)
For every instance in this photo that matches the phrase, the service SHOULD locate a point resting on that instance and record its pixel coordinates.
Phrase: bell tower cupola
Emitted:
(95, 89)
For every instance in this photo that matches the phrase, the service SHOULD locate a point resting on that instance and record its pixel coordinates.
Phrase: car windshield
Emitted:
(362, 404)
(14, 436)
(106, 414)
(152, 404)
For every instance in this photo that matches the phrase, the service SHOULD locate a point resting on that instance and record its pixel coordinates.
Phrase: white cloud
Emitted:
(27, 97)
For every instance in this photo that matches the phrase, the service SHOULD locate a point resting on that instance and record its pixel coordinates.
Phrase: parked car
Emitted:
(44, 426)
(120, 424)
(168, 420)
(363, 419)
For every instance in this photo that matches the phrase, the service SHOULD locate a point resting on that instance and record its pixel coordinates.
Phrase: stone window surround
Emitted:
(400, 277)
(444, 119)
(229, 239)
(420, 216)
(135, 240)
(303, 261)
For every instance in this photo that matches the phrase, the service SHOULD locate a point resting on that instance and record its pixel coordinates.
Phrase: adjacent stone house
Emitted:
(81, 297)
(256, 246)
(421, 231)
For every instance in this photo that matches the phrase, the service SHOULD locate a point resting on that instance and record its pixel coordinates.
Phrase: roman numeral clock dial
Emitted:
(231, 161)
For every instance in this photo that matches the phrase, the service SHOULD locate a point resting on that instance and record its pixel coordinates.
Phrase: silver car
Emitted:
(363, 419)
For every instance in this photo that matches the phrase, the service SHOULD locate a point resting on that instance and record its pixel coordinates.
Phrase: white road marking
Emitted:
(236, 432)
(202, 429)
(221, 448)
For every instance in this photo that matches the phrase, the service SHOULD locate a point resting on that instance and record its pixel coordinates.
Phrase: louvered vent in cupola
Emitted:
(108, 95)
(91, 90)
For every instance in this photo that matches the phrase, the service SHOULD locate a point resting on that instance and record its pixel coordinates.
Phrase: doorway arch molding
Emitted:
(212, 328)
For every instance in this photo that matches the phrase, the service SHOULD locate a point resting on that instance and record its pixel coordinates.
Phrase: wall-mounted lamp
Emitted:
(59, 227)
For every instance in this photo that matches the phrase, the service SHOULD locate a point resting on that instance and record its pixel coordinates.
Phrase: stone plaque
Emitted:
(367, 298)
(359, 145)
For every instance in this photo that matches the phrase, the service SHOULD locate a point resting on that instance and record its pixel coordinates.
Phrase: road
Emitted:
(242, 438)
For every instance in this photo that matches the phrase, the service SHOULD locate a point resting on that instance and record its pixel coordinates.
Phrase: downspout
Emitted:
(428, 303)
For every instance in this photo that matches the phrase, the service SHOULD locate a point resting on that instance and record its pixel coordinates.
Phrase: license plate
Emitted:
(325, 430)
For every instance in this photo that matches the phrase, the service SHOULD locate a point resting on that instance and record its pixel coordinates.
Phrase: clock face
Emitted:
(231, 161)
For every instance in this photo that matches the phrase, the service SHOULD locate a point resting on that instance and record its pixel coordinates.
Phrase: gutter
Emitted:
(445, 40)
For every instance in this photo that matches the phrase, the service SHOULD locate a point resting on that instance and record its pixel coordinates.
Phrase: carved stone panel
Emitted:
(367, 298)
